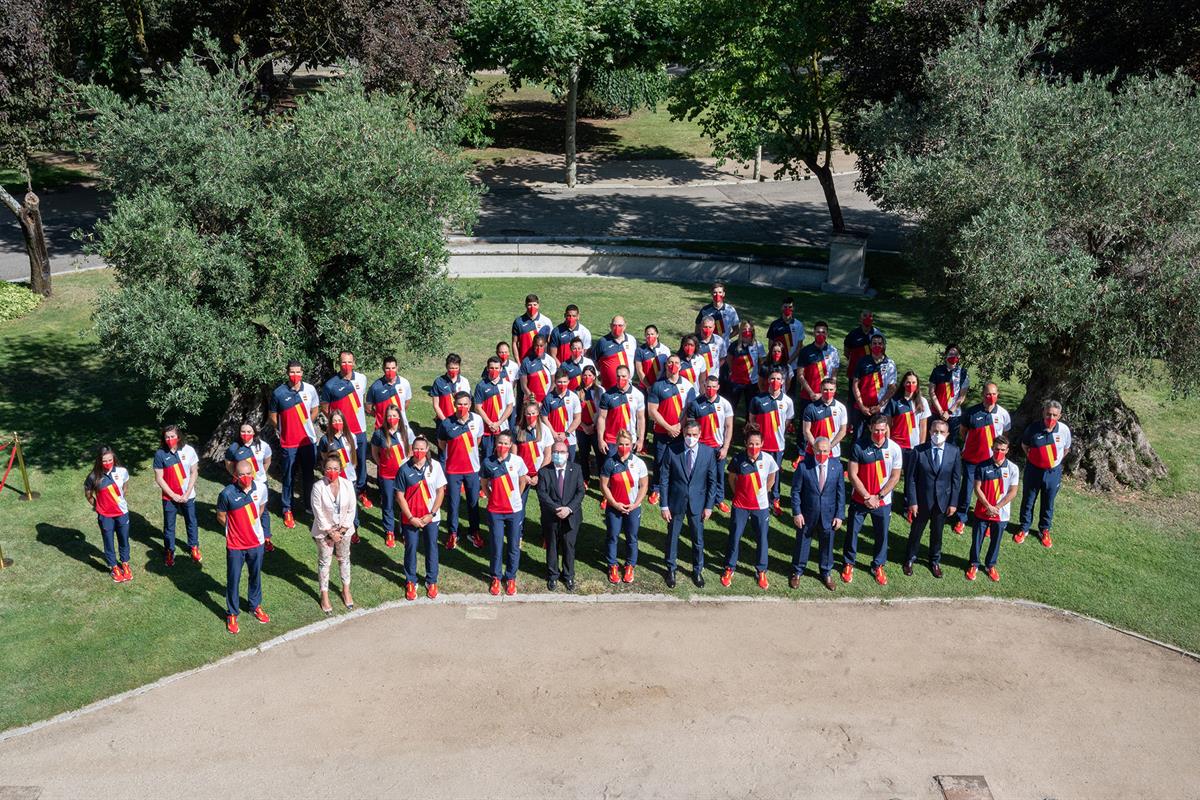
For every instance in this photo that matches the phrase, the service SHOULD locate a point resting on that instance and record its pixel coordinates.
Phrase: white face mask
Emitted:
(938, 439)
(558, 459)
(691, 441)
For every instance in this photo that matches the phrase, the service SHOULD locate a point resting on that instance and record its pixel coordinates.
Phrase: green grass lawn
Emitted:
(71, 636)
(45, 176)
(529, 122)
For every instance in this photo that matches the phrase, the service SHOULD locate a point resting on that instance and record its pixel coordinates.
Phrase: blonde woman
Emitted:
(333, 504)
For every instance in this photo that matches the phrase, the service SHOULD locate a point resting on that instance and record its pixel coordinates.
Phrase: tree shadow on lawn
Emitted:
(74, 543)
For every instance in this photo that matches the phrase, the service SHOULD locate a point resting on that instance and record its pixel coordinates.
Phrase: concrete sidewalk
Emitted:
(664, 203)
(650, 699)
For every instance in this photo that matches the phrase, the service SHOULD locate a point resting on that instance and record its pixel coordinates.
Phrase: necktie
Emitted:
(937, 459)
(691, 461)
(561, 475)
(821, 478)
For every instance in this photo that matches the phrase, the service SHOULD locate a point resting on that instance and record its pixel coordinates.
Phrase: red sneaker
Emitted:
(452, 541)
(410, 591)
(603, 505)
(355, 538)
(1045, 537)
(723, 507)
(482, 493)
(196, 555)
(128, 572)
(261, 615)
(1019, 536)
(880, 575)
(366, 501)
(231, 624)
(118, 574)
(796, 461)
(268, 546)
(495, 586)
(847, 573)
(972, 572)
(776, 508)
(614, 574)
(762, 580)
(289, 519)
(726, 577)
(510, 587)
(987, 533)
(628, 576)
(652, 498)
(431, 590)
(958, 527)
(476, 539)
(389, 539)
(169, 559)
(994, 574)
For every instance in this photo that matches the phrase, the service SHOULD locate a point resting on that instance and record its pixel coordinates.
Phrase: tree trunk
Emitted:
(250, 406)
(758, 163)
(572, 101)
(1109, 449)
(824, 175)
(29, 216)
(137, 27)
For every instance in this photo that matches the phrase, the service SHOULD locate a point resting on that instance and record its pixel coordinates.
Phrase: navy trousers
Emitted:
(967, 491)
(627, 523)
(804, 537)
(1043, 483)
(454, 485)
(936, 520)
(506, 560)
(880, 519)
(695, 524)
(387, 503)
(118, 527)
(171, 510)
(737, 526)
(993, 552)
(426, 540)
(234, 559)
(303, 460)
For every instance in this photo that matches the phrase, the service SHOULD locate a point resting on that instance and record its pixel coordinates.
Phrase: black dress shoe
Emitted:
(698, 579)
(671, 579)
(936, 569)
(552, 584)
(794, 581)
(570, 584)
(828, 581)
(907, 568)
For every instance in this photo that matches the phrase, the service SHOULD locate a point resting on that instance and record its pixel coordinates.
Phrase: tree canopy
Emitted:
(1066, 214)
(241, 241)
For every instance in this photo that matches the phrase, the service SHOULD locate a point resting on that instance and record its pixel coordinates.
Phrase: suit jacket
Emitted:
(683, 494)
(572, 493)
(931, 490)
(819, 506)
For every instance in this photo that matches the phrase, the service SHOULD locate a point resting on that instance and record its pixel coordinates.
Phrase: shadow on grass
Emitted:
(72, 542)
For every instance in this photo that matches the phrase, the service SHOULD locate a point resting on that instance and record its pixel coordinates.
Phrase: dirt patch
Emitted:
(654, 699)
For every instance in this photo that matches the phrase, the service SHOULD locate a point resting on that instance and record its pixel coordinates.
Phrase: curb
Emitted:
(484, 599)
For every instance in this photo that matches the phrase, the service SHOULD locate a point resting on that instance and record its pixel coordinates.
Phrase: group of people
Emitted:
(551, 399)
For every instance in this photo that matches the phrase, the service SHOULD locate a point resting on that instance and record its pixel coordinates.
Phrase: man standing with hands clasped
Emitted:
(560, 494)
(932, 483)
(818, 497)
(689, 480)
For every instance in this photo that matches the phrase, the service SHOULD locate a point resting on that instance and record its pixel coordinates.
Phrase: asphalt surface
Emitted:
(650, 699)
(638, 199)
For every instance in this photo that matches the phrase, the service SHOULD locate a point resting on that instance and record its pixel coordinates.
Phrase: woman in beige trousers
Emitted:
(333, 505)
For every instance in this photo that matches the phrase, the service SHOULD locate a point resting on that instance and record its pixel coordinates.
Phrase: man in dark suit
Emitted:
(688, 484)
(818, 501)
(560, 494)
(931, 488)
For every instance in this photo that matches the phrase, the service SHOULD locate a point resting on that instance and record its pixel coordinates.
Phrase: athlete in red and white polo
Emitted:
(459, 439)
(250, 447)
(1046, 442)
(995, 486)
(494, 401)
(623, 482)
(238, 513)
(744, 358)
(752, 476)
(561, 410)
(714, 414)
(104, 489)
(537, 372)
(713, 345)
(873, 384)
(614, 349)
(789, 330)
(724, 315)
(446, 385)
(570, 328)
(525, 327)
(858, 341)
(651, 359)
(176, 468)
(622, 408)
(826, 418)
(814, 363)
(347, 392)
(876, 464)
(291, 409)
(420, 489)
(504, 478)
(981, 424)
(772, 413)
(908, 414)
(392, 389)
(575, 365)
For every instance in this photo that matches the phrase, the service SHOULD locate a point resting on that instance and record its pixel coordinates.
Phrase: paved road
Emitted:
(651, 204)
(652, 699)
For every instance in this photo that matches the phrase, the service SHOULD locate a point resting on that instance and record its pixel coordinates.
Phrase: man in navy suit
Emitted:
(931, 488)
(818, 497)
(688, 484)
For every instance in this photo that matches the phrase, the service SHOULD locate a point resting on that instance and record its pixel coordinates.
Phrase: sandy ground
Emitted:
(652, 699)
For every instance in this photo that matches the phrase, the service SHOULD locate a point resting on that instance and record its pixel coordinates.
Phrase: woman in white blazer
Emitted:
(333, 507)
